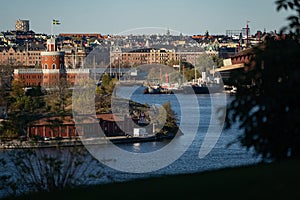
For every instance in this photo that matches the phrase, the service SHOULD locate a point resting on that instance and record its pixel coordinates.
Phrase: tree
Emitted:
(266, 105)
(173, 62)
(216, 59)
(38, 170)
(105, 80)
(58, 98)
(167, 119)
(189, 74)
(294, 23)
(205, 63)
(23, 107)
(104, 92)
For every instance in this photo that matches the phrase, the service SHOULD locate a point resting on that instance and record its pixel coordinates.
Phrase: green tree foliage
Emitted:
(205, 63)
(104, 93)
(17, 88)
(24, 107)
(107, 85)
(189, 74)
(167, 119)
(59, 98)
(105, 80)
(266, 105)
(82, 98)
(218, 61)
(173, 62)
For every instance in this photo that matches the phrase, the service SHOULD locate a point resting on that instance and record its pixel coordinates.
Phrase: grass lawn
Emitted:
(279, 180)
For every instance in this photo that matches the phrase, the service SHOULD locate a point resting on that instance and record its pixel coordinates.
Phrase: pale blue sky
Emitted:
(112, 17)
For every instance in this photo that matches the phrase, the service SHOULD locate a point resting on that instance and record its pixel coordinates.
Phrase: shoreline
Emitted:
(81, 142)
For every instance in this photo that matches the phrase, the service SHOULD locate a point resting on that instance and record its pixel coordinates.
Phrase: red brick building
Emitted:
(45, 128)
(243, 57)
(65, 127)
(52, 70)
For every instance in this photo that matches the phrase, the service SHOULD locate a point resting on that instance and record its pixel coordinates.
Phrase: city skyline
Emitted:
(188, 17)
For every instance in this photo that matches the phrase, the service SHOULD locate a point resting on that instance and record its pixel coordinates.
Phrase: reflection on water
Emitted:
(221, 156)
(136, 147)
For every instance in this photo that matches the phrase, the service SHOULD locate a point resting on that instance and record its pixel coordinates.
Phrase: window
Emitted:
(53, 66)
(45, 66)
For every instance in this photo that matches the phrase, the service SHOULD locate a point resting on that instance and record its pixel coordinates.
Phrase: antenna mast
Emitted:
(247, 35)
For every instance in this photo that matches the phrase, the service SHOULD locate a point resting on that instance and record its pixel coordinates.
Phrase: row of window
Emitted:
(18, 54)
(36, 77)
(20, 57)
(53, 58)
(63, 131)
(53, 66)
(17, 62)
(45, 76)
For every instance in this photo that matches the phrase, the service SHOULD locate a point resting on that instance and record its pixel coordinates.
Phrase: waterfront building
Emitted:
(44, 128)
(52, 69)
(152, 56)
(111, 125)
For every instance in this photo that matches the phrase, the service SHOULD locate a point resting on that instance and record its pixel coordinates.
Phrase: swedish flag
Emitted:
(55, 22)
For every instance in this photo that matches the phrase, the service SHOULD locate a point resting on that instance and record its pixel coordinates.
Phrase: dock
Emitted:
(17, 144)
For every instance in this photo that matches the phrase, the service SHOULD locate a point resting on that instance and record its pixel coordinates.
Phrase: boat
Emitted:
(230, 89)
(156, 90)
(203, 88)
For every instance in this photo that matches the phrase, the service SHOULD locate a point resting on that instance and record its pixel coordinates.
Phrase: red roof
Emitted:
(109, 117)
(62, 120)
(69, 120)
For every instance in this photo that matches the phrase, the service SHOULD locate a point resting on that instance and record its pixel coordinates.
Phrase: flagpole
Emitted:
(52, 28)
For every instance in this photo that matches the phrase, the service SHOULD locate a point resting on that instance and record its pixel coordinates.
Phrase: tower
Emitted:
(22, 25)
(52, 64)
(52, 59)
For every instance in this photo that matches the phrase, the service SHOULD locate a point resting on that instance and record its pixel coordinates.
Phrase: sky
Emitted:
(189, 17)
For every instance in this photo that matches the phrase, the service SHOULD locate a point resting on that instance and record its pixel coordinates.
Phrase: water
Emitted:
(221, 156)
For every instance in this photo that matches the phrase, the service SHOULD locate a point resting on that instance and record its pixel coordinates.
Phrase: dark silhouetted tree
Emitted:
(47, 170)
(294, 23)
(266, 105)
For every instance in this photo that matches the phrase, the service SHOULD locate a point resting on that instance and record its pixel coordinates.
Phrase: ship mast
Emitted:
(247, 35)
(195, 64)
